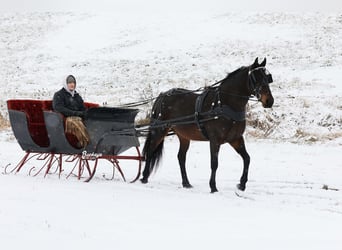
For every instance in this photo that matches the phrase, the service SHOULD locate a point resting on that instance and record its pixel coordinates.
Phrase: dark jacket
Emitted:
(67, 104)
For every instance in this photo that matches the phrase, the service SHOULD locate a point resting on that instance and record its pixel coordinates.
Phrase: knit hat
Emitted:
(70, 78)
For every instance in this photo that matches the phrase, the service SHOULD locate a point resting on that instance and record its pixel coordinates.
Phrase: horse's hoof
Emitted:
(241, 187)
(187, 185)
(144, 181)
(214, 190)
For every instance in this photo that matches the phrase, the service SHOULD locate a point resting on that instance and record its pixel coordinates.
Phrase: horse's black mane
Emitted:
(231, 74)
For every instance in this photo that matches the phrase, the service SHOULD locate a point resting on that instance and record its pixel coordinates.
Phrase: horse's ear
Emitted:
(263, 63)
(255, 64)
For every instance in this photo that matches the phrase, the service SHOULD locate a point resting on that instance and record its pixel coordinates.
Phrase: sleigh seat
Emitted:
(27, 118)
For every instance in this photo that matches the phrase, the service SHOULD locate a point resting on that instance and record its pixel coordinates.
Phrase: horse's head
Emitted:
(259, 80)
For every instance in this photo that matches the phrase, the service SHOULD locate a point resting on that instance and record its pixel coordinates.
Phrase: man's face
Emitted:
(71, 86)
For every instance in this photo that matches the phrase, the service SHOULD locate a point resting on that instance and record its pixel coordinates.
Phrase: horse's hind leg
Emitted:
(183, 148)
(239, 146)
(214, 149)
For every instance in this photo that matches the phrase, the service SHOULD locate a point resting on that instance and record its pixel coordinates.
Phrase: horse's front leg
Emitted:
(240, 148)
(214, 149)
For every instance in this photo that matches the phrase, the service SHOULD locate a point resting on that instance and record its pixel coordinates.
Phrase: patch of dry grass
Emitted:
(4, 123)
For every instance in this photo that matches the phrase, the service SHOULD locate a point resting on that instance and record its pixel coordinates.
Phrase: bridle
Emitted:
(253, 87)
(252, 81)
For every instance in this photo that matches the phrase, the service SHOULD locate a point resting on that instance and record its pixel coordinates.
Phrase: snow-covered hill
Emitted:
(124, 57)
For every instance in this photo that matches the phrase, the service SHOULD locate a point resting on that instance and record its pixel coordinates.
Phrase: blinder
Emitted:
(268, 77)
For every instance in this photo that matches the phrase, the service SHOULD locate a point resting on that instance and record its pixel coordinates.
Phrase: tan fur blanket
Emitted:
(74, 125)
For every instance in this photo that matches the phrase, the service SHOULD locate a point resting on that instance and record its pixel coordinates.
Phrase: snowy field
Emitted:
(293, 198)
(284, 207)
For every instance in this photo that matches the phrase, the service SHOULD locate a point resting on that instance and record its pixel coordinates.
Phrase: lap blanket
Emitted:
(75, 126)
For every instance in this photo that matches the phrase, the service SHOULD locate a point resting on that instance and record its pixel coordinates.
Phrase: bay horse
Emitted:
(217, 115)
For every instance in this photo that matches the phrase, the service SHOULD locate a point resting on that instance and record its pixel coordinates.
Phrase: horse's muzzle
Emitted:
(267, 102)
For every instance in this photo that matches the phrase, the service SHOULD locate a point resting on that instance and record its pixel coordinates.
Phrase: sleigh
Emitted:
(40, 132)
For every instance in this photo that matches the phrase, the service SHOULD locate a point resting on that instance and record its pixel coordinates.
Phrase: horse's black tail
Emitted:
(152, 155)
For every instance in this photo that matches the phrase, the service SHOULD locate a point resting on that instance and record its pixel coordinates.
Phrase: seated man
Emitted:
(68, 102)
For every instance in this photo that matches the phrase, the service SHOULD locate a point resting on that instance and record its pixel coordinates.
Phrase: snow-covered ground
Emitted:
(285, 205)
(293, 198)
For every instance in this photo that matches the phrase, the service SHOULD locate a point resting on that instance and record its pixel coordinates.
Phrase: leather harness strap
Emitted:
(217, 110)
(199, 117)
(198, 108)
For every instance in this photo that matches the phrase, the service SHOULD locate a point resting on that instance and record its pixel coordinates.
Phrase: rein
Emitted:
(212, 86)
(198, 117)
(138, 103)
(251, 83)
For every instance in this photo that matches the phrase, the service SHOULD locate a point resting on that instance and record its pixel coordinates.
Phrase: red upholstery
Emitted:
(47, 105)
(35, 118)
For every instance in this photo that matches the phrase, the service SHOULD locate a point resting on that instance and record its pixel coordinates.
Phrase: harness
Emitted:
(217, 109)
(198, 115)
